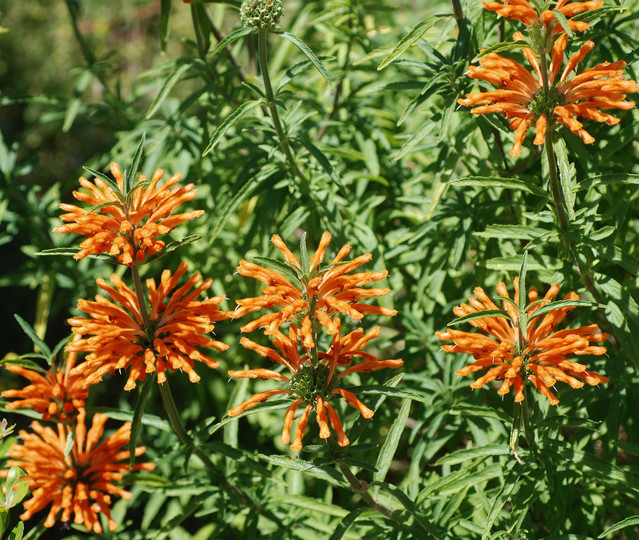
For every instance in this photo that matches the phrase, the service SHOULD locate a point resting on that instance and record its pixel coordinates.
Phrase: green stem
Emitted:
(286, 147)
(557, 199)
(180, 429)
(362, 490)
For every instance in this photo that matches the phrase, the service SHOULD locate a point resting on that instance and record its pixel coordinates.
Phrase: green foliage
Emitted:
(354, 128)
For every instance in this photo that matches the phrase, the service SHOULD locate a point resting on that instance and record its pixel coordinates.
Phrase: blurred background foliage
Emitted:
(386, 156)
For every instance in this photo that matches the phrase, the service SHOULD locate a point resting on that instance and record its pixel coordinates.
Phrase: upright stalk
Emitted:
(286, 147)
(362, 490)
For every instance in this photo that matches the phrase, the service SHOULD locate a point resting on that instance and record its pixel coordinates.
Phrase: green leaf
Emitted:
(481, 412)
(67, 251)
(563, 304)
(461, 456)
(606, 179)
(410, 39)
(74, 104)
(484, 314)
(28, 329)
(304, 260)
(247, 189)
(500, 47)
(282, 268)
(231, 38)
(129, 176)
(567, 176)
(421, 521)
(496, 182)
(70, 441)
(17, 532)
(23, 361)
(308, 503)
(376, 390)
(348, 520)
(514, 232)
(259, 408)
(127, 416)
(167, 86)
(228, 123)
(309, 54)
(138, 413)
(387, 451)
(327, 474)
(104, 178)
(628, 522)
(323, 161)
(16, 487)
(561, 19)
(165, 14)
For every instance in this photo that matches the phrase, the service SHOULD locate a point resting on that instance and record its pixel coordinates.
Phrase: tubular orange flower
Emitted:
(126, 225)
(539, 356)
(81, 483)
(311, 293)
(313, 385)
(118, 338)
(522, 98)
(523, 11)
(56, 394)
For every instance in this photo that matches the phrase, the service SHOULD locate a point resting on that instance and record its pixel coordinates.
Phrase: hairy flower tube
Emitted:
(522, 98)
(117, 337)
(539, 356)
(310, 292)
(523, 11)
(80, 484)
(123, 224)
(313, 385)
(56, 394)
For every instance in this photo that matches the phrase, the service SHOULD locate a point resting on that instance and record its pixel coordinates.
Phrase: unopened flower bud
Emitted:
(261, 14)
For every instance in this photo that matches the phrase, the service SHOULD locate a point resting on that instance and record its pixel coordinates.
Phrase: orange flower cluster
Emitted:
(317, 292)
(56, 394)
(523, 11)
(116, 334)
(127, 225)
(534, 98)
(80, 484)
(309, 295)
(313, 385)
(522, 98)
(539, 355)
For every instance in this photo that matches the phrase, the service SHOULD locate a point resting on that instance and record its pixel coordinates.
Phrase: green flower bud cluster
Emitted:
(310, 382)
(261, 14)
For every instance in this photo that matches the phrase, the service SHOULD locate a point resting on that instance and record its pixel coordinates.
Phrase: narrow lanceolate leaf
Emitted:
(496, 182)
(249, 187)
(461, 456)
(228, 123)
(260, 407)
(168, 85)
(104, 178)
(483, 314)
(68, 445)
(323, 161)
(231, 38)
(280, 267)
(304, 260)
(563, 304)
(628, 522)
(605, 179)
(138, 413)
(561, 18)
(567, 176)
(410, 39)
(500, 47)
(129, 177)
(165, 13)
(344, 525)
(421, 521)
(374, 389)
(309, 54)
(387, 452)
(28, 329)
